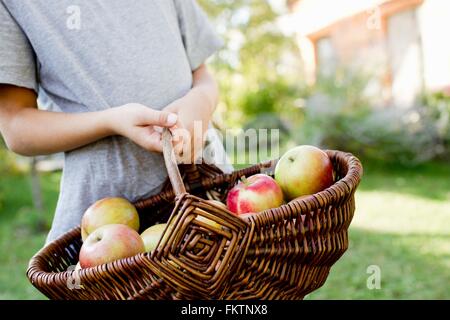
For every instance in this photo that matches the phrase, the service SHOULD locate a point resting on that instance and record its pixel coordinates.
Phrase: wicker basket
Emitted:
(280, 253)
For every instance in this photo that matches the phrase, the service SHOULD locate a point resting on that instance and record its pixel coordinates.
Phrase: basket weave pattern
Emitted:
(280, 253)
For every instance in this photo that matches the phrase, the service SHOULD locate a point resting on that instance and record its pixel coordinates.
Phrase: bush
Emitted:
(338, 120)
(268, 105)
(4, 161)
(437, 108)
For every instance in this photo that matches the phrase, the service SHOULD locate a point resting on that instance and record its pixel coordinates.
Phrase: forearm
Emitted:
(36, 132)
(205, 86)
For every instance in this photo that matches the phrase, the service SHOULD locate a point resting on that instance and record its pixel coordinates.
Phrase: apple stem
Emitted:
(244, 180)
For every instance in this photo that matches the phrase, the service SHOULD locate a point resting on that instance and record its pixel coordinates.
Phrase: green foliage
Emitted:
(4, 165)
(251, 69)
(8, 160)
(260, 88)
(20, 233)
(437, 109)
(3, 156)
(340, 116)
(269, 97)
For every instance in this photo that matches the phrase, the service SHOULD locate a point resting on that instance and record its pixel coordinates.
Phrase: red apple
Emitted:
(109, 211)
(108, 243)
(303, 170)
(254, 194)
(152, 235)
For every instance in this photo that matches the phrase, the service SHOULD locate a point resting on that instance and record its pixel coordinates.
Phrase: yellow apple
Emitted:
(152, 235)
(109, 211)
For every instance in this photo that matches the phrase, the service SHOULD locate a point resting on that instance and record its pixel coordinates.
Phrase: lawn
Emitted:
(401, 225)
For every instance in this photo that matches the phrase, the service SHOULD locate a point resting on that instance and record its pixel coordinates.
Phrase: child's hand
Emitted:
(136, 122)
(194, 112)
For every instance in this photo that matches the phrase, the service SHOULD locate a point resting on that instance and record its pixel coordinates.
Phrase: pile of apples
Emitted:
(301, 171)
(109, 228)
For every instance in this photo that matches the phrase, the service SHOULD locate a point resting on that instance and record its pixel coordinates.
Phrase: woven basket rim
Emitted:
(348, 182)
(312, 202)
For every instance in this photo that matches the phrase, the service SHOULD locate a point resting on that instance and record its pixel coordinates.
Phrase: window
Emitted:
(326, 57)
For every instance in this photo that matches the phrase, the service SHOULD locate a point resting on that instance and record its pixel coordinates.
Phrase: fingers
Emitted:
(178, 149)
(173, 128)
(154, 142)
(149, 139)
(159, 118)
(182, 145)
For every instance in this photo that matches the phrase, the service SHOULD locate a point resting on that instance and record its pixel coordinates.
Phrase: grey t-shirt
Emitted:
(89, 55)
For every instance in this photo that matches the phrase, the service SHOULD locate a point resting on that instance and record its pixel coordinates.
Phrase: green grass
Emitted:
(401, 225)
(21, 232)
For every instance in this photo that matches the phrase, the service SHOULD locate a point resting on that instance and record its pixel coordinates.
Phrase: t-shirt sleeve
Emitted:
(199, 37)
(17, 61)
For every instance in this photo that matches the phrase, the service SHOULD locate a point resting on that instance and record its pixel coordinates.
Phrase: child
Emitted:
(118, 71)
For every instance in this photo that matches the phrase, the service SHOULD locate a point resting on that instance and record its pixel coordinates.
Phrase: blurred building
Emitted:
(403, 43)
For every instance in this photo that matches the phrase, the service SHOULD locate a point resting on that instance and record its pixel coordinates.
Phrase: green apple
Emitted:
(303, 170)
(152, 235)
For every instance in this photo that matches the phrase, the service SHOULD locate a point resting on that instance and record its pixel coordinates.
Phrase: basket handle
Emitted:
(171, 163)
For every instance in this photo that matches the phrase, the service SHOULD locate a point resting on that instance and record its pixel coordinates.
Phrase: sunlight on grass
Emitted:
(425, 219)
(406, 236)
(400, 213)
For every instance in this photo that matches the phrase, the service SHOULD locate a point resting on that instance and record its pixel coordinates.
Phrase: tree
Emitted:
(259, 69)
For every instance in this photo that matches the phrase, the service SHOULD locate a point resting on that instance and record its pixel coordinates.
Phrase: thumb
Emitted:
(161, 118)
